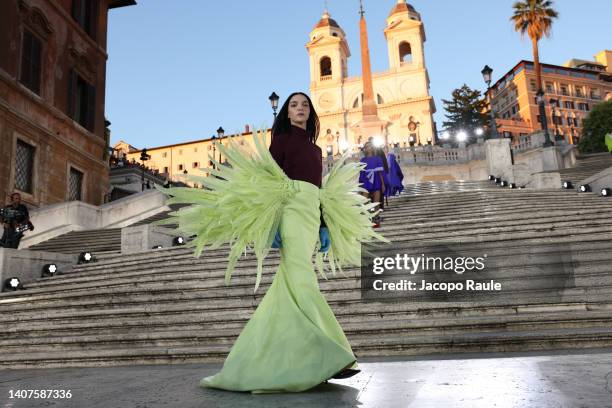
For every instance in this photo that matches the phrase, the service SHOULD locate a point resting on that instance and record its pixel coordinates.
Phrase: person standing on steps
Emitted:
(279, 199)
(14, 215)
(371, 177)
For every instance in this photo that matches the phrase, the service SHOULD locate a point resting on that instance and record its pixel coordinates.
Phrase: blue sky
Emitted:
(177, 70)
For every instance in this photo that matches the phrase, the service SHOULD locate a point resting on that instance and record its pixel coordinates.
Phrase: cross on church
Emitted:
(361, 8)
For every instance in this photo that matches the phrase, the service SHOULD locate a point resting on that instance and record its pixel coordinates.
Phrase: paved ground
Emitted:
(533, 380)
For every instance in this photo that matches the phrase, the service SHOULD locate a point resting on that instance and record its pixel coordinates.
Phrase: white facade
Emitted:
(401, 92)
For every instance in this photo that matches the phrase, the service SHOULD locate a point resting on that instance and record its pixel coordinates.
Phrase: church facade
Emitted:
(404, 106)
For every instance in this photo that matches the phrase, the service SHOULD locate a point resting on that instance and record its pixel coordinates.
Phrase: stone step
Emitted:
(372, 327)
(174, 275)
(173, 270)
(347, 313)
(363, 347)
(336, 292)
(158, 266)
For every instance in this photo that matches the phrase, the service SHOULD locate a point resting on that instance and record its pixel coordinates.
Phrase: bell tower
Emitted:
(405, 36)
(328, 52)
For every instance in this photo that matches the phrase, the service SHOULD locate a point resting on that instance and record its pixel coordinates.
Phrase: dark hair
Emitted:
(381, 153)
(282, 124)
(14, 194)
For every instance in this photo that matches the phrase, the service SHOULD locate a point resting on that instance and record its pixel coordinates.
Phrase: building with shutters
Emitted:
(570, 92)
(53, 141)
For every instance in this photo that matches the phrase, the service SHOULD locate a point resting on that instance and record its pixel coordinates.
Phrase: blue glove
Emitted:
(277, 240)
(324, 238)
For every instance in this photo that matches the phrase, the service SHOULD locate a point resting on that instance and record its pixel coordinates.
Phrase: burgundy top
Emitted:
(299, 158)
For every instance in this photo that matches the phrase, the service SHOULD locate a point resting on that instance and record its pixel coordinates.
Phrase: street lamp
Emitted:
(214, 151)
(462, 136)
(487, 72)
(220, 134)
(540, 101)
(143, 158)
(274, 101)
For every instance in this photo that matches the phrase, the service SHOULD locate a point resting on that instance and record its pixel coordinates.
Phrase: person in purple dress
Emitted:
(395, 175)
(385, 175)
(371, 177)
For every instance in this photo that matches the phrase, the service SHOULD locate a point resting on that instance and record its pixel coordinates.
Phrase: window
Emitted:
(195, 165)
(85, 13)
(569, 105)
(75, 185)
(558, 120)
(405, 53)
(571, 122)
(583, 106)
(325, 66)
(507, 134)
(595, 94)
(564, 90)
(579, 93)
(533, 85)
(549, 87)
(165, 154)
(82, 101)
(24, 166)
(180, 152)
(180, 167)
(166, 170)
(31, 56)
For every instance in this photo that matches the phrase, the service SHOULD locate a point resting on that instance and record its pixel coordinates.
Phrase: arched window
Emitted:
(325, 66)
(405, 53)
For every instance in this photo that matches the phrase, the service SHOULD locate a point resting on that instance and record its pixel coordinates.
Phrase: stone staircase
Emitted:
(165, 306)
(74, 242)
(445, 186)
(586, 166)
(101, 241)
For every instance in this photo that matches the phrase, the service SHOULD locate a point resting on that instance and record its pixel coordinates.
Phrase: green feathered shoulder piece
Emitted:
(241, 204)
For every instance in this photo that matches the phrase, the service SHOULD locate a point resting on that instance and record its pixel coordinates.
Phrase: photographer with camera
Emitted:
(15, 220)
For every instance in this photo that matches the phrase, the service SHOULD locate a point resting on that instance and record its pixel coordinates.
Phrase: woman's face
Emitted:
(368, 149)
(299, 110)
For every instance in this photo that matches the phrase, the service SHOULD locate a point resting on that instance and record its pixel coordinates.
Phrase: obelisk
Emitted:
(370, 124)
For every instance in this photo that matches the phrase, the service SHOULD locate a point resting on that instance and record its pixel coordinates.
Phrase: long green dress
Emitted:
(292, 341)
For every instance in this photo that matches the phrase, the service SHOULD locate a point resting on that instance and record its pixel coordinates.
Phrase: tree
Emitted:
(535, 18)
(595, 127)
(465, 111)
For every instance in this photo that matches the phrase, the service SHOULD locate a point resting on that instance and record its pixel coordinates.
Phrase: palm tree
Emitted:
(534, 17)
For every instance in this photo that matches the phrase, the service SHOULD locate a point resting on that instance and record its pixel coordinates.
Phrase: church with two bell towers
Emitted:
(394, 105)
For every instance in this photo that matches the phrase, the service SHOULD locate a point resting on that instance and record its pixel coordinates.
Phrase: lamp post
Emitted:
(542, 108)
(274, 101)
(487, 72)
(214, 151)
(143, 158)
(220, 134)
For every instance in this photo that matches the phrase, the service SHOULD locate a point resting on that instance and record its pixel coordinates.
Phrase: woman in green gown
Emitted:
(293, 341)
